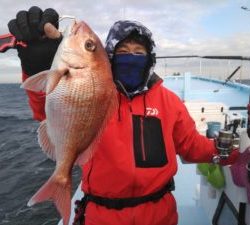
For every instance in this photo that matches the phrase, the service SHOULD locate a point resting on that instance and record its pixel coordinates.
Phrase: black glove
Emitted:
(29, 27)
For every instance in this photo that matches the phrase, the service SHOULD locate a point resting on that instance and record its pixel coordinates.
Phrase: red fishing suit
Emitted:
(136, 156)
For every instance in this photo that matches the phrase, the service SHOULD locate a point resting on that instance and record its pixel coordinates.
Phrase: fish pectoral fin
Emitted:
(54, 78)
(45, 81)
(44, 141)
(36, 82)
(57, 189)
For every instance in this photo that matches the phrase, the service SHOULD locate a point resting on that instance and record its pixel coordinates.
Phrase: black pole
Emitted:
(229, 77)
(228, 57)
(232, 74)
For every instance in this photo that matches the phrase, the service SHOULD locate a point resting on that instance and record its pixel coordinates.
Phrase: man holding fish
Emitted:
(107, 111)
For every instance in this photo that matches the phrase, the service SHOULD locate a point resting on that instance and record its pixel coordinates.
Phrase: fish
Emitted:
(80, 99)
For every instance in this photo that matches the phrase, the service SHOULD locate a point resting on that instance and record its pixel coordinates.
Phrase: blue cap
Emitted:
(122, 29)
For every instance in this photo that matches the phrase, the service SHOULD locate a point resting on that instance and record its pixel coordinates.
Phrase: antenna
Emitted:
(124, 11)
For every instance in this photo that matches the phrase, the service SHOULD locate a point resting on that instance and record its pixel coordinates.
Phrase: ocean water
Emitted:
(23, 166)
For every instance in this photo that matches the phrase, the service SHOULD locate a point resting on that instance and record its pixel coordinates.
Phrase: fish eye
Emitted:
(90, 45)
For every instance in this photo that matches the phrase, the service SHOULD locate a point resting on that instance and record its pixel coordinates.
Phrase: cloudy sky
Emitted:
(180, 27)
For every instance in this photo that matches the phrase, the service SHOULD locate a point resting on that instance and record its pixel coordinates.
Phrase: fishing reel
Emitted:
(225, 142)
(228, 139)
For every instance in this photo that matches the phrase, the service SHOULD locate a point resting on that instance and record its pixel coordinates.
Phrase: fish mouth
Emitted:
(77, 27)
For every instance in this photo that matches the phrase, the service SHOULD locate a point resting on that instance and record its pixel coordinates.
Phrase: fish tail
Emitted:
(58, 190)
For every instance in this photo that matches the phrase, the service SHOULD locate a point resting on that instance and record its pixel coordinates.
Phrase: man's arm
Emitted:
(191, 145)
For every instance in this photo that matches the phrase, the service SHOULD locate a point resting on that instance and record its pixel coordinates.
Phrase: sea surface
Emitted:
(23, 166)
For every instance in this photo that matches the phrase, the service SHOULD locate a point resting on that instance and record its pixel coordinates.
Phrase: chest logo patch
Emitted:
(152, 111)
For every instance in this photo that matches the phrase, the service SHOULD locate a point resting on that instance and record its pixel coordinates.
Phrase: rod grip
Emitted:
(8, 41)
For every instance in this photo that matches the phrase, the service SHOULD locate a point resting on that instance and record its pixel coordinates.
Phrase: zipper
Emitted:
(130, 107)
(142, 140)
(133, 183)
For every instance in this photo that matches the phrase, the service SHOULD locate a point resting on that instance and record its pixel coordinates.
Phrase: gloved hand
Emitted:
(232, 158)
(29, 27)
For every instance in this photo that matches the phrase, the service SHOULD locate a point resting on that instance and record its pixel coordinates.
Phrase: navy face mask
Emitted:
(129, 70)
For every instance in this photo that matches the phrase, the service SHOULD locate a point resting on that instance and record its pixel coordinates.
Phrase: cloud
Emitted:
(176, 25)
(9, 61)
(237, 44)
(10, 71)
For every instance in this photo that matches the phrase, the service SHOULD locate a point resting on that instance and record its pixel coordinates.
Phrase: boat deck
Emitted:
(192, 88)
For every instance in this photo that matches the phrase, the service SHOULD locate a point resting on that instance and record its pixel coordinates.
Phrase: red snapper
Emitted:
(80, 98)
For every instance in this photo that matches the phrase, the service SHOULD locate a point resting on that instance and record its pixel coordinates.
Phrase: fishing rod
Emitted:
(177, 56)
(8, 41)
(229, 77)
(232, 57)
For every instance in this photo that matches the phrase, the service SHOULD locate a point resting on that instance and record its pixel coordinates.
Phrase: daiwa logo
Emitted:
(152, 111)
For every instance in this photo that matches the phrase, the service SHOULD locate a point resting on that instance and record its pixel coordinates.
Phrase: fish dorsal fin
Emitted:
(44, 141)
(36, 82)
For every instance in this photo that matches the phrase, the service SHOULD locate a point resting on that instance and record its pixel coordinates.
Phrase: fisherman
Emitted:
(129, 179)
